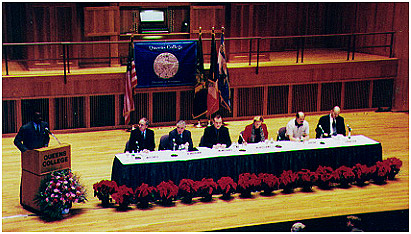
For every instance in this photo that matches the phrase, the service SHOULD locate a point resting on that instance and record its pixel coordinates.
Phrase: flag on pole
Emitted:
(200, 91)
(212, 97)
(223, 81)
(130, 83)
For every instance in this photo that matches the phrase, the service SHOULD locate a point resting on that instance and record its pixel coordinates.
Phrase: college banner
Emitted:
(165, 63)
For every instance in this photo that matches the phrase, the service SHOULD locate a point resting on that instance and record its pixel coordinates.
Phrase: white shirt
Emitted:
(297, 132)
(331, 125)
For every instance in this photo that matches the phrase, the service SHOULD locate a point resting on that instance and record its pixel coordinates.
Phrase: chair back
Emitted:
(281, 136)
(163, 142)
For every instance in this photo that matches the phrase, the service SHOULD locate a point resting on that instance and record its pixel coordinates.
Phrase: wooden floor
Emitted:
(286, 58)
(92, 157)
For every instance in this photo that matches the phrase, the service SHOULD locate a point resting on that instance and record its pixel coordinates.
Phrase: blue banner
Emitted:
(165, 63)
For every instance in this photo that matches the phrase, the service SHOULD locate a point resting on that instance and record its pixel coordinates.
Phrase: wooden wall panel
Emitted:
(277, 100)
(164, 107)
(250, 101)
(101, 110)
(357, 95)
(101, 21)
(9, 117)
(330, 95)
(304, 98)
(382, 93)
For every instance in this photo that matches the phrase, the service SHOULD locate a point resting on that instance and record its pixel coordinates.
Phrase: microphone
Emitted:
(320, 127)
(241, 135)
(349, 128)
(48, 131)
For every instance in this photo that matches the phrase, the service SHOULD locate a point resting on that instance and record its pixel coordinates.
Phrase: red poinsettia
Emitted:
(206, 186)
(306, 178)
(382, 169)
(123, 196)
(325, 176)
(144, 190)
(167, 190)
(288, 179)
(362, 172)
(104, 188)
(344, 175)
(187, 186)
(269, 182)
(394, 163)
(227, 185)
(248, 181)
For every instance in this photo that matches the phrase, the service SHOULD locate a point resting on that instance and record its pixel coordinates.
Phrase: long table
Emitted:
(265, 157)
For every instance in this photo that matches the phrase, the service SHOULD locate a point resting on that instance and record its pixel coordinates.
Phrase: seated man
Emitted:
(216, 135)
(298, 128)
(256, 132)
(179, 137)
(330, 125)
(141, 138)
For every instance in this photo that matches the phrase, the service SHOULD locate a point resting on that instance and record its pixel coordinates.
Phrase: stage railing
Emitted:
(348, 42)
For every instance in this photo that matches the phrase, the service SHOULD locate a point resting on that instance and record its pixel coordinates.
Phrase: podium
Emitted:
(36, 165)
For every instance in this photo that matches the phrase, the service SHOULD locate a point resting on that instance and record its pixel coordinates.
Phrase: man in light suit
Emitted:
(331, 124)
(141, 138)
(180, 136)
(33, 135)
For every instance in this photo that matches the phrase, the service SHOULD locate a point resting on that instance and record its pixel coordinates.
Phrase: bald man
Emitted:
(298, 129)
(331, 124)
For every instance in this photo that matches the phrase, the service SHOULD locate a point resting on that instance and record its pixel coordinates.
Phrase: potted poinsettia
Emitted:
(206, 188)
(362, 173)
(103, 190)
(167, 192)
(288, 181)
(187, 190)
(144, 195)
(123, 196)
(306, 179)
(325, 177)
(344, 176)
(247, 183)
(57, 192)
(269, 183)
(227, 187)
(382, 169)
(395, 165)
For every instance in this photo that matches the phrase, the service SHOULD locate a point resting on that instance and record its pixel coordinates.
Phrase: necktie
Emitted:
(334, 128)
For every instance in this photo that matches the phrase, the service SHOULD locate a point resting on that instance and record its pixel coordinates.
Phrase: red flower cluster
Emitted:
(362, 172)
(394, 163)
(382, 168)
(167, 190)
(288, 178)
(144, 191)
(104, 189)
(344, 174)
(187, 186)
(206, 186)
(268, 181)
(325, 174)
(123, 195)
(248, 181)
(227, 184)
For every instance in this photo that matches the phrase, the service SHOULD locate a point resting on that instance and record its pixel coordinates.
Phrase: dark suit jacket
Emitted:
(28, 138)
(143, 143)
(211, 137)
(178, 140)
(325, 124)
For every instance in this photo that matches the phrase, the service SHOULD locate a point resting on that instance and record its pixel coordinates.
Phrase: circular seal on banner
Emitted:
(166, 65)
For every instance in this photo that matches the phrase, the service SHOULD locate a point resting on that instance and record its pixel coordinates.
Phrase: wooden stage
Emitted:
(92, 157)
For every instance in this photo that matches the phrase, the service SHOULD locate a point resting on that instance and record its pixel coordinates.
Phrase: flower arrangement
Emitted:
(306, 179)
(247, 183)
(123, 196)
(58, 191)
(288, 181)
(325, 177)
(227, 187)
(395, 165)
(382, 169)
(187, 189)
(362, 173)
(103, 190)
(205, 188)
(144, 195)
(344, 176)
(167, 192)
(269, 183)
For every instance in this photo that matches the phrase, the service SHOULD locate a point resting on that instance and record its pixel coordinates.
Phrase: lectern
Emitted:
(36, 165)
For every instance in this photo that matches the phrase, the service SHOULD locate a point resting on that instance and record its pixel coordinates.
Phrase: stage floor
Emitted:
(92, 157)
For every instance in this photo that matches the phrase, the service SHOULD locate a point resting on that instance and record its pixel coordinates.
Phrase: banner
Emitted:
(130, 83)
(165, 63)
(213, 104)
(200, 91)
(223, 80)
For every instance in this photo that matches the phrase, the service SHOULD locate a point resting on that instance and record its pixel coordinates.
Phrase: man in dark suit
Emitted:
(141, 138)
(330, 125)
(216, 136)
(179, 137)
(33, 135)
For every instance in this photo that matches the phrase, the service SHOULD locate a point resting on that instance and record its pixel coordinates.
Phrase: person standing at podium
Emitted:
(33, 135)
(141, 138)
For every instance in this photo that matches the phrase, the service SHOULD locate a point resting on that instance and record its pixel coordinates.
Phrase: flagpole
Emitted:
(199, 35)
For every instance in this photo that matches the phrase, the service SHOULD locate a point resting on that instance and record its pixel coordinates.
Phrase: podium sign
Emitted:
(37, 164)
